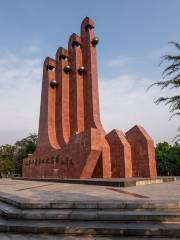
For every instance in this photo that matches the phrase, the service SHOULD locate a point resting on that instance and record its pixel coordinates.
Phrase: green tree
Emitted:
(168, 159)
(23, 147)
(171, 80)
(6, 159)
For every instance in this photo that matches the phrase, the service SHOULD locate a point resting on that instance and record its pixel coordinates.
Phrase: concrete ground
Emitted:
(35, 191)
(47, 192)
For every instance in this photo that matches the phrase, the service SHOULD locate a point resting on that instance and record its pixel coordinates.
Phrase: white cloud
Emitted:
(166, 49)
(20, 83)
(32, 49)
(156, 54)
(125, 102)
(119, 61)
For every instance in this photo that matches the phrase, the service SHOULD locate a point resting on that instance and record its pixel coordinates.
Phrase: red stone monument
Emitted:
(71, 140)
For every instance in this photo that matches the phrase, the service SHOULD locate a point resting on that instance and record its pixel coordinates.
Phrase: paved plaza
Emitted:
(44, 192)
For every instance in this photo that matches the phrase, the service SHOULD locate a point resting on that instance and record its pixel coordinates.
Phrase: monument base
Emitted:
(113, 182)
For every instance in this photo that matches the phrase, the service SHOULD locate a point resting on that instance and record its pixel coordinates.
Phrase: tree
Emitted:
(6, 159)
(168, 159)
(171, 79)
(23, 147)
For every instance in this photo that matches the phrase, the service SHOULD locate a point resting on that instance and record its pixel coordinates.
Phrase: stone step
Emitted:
(93, 216)
(106, 228)
(99, 215)
(12, 212)
(22, 203)
(30, 236)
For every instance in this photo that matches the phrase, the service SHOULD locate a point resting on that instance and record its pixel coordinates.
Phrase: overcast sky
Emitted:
(133, 35)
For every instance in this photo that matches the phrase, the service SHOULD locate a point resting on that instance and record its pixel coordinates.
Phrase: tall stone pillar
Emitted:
(47, 139)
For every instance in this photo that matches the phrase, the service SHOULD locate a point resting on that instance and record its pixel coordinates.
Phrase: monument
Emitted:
(72, 142)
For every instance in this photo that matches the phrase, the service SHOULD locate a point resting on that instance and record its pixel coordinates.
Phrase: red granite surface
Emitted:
(71, 140)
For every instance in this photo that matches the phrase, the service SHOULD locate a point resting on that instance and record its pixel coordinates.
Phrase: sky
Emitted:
(133, 35)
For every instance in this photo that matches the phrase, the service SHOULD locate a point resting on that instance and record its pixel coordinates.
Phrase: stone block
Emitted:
(143, 152)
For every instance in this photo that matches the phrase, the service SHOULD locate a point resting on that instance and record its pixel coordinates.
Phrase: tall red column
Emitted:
(91, 93)
(76, 85)
(47, 139)
(62, 97)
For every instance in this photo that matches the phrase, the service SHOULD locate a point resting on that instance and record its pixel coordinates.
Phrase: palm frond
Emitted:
(171, 69)
(176, 44)
(173, 72)
(176, 138)
(173, 115)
